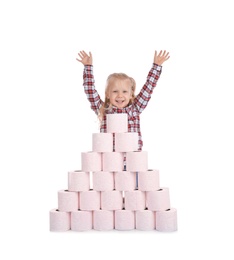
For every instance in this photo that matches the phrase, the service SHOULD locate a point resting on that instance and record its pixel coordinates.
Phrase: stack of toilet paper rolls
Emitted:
(103, 195)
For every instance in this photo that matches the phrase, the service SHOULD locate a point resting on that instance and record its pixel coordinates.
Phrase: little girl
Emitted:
(120, 92)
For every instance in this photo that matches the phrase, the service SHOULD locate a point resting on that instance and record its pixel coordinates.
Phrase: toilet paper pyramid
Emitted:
(114, 189)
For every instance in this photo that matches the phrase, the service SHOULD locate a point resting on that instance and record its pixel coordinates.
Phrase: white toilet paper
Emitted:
(103, 181)
(60, 220)
(78, 181)
(102, 142)
(148, 180)
(124, 220)
(112, 161)
(166, 221)
(90, 200)
(135, 200)
(117, 123)
(125, 181)
(145, 220)
(68, 200)
(91, 161)
(137, 161)
(158, 200)
(126, 142)
(103, 220)
(81, 220)
(111, 200)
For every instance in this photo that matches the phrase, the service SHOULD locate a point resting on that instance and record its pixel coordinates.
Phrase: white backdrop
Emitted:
(46, 120)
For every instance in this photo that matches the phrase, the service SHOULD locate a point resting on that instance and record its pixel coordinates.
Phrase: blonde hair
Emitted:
(107, 105)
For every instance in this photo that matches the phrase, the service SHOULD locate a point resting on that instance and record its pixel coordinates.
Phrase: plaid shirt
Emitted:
(134, 110)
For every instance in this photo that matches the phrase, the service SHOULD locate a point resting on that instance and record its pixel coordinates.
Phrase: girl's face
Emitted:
(120, 93)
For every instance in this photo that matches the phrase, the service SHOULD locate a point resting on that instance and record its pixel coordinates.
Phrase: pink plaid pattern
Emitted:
(134, 110)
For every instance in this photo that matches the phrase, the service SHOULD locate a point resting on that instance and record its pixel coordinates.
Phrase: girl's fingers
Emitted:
(84, 53)
(166, 56)
(81, 56)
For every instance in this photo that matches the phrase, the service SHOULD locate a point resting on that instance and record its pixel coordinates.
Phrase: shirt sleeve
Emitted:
(142, 99)
(89, 88)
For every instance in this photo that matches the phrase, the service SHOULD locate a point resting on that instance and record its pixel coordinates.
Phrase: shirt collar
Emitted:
(120, 110)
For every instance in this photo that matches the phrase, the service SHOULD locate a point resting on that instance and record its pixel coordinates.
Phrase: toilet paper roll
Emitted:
(124, 220)
(158, 200)
(166, 221)
(134, 200)
(117, 123)
(125, 181)
(145, 220)
(148, 180)
(103, 181)
(78, 181)
(81, 220)
(60, 221)
(68, 200)
(112, 161)
(137, 161)
(111, 200)
(102, 142)
(126, 142)
(103, 220)
(90, 200)
(91, 161)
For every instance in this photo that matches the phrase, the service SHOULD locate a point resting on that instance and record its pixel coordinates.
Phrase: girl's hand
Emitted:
(85, 59)
(161, 57)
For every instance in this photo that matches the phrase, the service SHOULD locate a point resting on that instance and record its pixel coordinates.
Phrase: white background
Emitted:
(46, 120)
